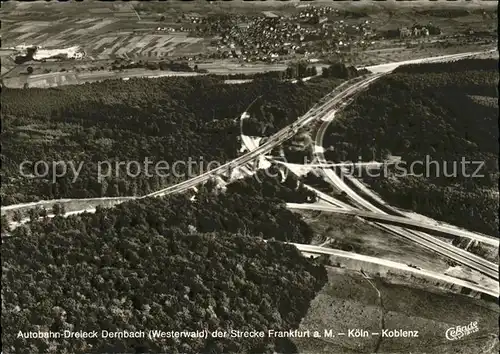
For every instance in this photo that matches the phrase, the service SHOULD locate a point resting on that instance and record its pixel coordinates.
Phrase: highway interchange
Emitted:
(461, 256)
(367, 210)
(324, 111)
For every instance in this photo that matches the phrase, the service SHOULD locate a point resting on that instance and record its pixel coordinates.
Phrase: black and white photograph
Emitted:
(250, 177)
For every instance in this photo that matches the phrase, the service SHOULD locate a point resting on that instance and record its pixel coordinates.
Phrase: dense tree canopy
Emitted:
(163, 263)
(164, 119)
(341, 71)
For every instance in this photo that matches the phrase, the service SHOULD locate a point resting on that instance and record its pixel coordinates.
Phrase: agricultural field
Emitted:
(73, 78)
(101, 38)
(351, 301)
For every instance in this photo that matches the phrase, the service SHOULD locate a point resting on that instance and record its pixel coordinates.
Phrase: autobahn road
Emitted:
(458, 254)
(427, 241)
(286, 133)
(391, 264)
(399, 220)
(278, 138)
(338, 94)
(330, 200)
(455, 253)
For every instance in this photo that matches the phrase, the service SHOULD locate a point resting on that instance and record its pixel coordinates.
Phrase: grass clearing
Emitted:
(351, 234)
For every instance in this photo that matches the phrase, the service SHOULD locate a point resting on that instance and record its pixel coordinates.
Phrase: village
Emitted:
(71, 51)
(313, 32)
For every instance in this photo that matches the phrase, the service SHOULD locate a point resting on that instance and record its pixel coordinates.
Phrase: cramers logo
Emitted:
(458, 332)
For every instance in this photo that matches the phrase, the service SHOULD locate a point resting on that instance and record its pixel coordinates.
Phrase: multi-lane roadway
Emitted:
(275, 140)
(363, 205)
(311, 249)
(399, 220)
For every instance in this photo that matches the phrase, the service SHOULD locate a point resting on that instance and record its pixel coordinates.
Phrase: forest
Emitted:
(164, 119)
(163, 263)
(259, 198)
(442, 112)
(263, 114)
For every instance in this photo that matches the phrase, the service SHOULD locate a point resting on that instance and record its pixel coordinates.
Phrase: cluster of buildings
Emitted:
(314, 14)
(274, 38)
(312, 32)
(405, 32)
(415, 31)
